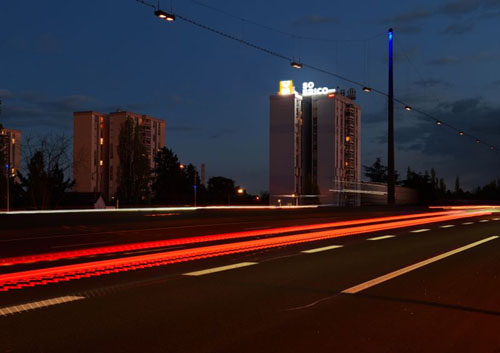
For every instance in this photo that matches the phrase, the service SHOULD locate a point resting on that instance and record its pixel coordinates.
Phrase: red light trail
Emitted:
(56, 274)
(200, 239)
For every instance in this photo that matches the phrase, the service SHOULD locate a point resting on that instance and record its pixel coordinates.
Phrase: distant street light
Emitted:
(165, 15)
(367, 89)
(407, 107)
(296, 65)
(181, 166)
(240, 191)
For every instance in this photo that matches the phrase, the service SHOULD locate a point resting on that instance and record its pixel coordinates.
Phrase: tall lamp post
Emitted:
(195, 186)
(7, 179)
(5, 135)
(391, 175)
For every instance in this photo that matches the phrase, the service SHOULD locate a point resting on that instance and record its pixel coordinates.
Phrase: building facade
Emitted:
(95, 148)
(12, 150)
(314, 146)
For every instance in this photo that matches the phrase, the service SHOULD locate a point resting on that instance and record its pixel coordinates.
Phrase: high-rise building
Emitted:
(95, 148)
(314, 146)
(12, 149)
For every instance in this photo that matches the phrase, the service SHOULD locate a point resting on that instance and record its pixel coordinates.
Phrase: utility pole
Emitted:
(391, 175)
(7, 169)
(195, 187)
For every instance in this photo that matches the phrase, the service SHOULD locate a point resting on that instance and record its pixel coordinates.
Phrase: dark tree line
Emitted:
(169, 182)
(44, 183)
(430, 188)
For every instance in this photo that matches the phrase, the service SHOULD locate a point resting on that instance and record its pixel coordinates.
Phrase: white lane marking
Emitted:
(311, 251)
(219, 269)
(447, 226)
(467, 223)
(407, 269)
(81, 244)
(382, 237)
(420, 230)
(37, 305)
(484, 220)
(496, 219)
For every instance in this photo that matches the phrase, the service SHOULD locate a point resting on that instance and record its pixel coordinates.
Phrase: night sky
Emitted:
(62, 56)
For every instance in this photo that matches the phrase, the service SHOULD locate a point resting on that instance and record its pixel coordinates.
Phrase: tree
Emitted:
(169, 179)
(221, 190)
(134, 172)
(377, 172)
(47, 161)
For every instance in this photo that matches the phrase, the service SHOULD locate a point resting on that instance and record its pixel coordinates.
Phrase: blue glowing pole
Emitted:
(391, 175)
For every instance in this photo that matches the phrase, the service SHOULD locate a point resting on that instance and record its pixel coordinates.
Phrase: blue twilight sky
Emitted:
(60, 56)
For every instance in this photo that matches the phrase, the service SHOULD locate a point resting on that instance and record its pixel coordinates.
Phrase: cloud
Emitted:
(408, 29)
(48, 43)
(495, 83)
(459, 28)
(431, 82)
(446, 60)
(5, 93)
(485, 56)
(410, 16)
(315, 20)
(460, 7)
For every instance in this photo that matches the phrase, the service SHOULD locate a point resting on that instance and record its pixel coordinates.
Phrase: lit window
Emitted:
(13, 141)
(102, 141)
(347, 138)
(101, 162)
(346, 164)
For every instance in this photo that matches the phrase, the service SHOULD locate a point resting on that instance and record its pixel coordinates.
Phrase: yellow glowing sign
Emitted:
(286, 87)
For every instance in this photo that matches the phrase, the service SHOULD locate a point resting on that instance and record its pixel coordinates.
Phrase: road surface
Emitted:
(334, 282)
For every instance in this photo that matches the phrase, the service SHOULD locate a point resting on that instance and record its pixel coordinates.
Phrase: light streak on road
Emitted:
(56, 274)
(156, 209)
(201, 239)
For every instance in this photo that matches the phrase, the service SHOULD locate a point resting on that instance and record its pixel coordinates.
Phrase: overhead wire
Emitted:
(324, 71)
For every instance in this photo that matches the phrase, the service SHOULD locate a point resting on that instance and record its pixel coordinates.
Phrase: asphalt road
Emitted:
(291, 298)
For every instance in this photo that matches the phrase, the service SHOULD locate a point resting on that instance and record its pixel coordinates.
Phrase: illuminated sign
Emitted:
(286, 87)
(308, 89)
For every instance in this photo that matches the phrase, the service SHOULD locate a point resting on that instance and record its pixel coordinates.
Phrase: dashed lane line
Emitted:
(312, 251)
(484, 220)
(38, 305)
(219, 269)
(420, 230)
(467, 223)
(360, 287)
(447, 226)
(382, 237)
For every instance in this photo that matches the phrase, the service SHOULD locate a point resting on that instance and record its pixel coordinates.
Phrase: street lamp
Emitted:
(165, 15)
(240, 191)
(296, 65)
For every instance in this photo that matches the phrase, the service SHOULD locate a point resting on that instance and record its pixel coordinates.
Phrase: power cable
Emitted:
(318, 69)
